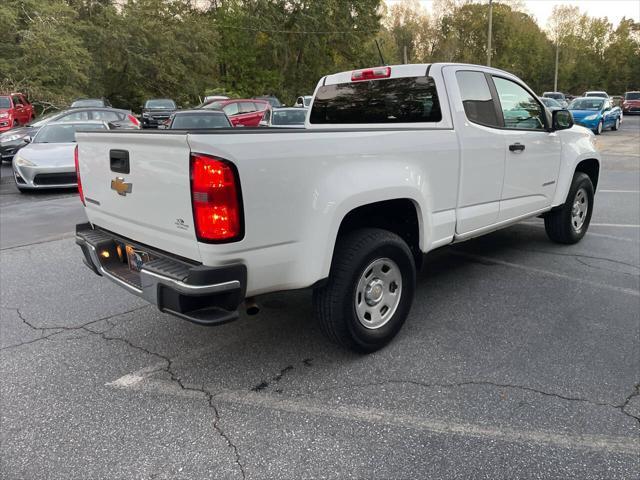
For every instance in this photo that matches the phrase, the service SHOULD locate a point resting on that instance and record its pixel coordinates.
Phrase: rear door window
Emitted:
(396, 100)
(476, 98)
(74, 117)
(247, 107)
(106, 115)
(231, 109)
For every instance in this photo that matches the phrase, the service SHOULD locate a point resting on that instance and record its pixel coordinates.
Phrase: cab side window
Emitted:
(519, 109)
(476, 98)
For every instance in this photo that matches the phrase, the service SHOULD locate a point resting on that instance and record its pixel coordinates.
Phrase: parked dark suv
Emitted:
(156, 111)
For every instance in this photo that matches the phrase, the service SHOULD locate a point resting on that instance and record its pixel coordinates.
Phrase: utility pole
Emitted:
(555, 79)
(489, 33)
(405, 55)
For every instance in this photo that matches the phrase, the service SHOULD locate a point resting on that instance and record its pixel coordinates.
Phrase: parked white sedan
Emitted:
(48, 160)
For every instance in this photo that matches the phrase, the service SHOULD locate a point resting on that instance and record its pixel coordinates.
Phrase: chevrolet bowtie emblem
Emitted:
(119, 185)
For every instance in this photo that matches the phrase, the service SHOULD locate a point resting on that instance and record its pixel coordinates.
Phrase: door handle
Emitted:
(516, 147)
(119, 161)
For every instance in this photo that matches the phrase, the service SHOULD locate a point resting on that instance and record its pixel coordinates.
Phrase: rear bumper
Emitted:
(200, 294)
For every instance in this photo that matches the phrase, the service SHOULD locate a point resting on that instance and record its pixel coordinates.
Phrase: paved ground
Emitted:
(520, 359)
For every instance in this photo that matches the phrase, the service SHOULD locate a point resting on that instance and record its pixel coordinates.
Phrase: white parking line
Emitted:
(618, 191)
(614, 225)
(605, 286)
(380, 417)
(589, 234)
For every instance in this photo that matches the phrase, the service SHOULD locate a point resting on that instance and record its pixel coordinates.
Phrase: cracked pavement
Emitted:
(520, 359)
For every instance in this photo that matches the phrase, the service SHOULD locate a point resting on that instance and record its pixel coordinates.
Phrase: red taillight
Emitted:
(215, 194)
(133, 120)
(75, 158)
(370, 74)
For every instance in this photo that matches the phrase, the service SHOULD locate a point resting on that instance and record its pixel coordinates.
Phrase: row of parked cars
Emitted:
(595, 109)
(42, 150)
(265, 111)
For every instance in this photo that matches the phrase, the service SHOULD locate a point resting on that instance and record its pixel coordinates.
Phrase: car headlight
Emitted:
(591, 117)
(4, 115)
(145, 114)
(23, 162)
(10, 138)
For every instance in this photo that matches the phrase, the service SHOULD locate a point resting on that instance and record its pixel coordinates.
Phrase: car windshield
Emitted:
(5, 102)
(632, 96)
(90, 102)
(596, 94)
(193, 121)
(557, 96)
(550, 102)
(289, 117)
(63, 133)
(160, 104)
(586, 104)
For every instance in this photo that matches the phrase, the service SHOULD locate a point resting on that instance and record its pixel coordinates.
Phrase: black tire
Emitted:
(599, 128)
(559, 222)
(616, 125)
(334, 303)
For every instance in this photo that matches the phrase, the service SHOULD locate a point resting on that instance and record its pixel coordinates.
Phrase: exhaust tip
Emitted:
(251, 306)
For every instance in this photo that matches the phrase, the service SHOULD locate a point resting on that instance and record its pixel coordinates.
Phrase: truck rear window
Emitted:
(396, 100)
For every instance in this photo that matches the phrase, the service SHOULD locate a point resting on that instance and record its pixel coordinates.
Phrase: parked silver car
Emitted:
(291, 117)
(48, 160)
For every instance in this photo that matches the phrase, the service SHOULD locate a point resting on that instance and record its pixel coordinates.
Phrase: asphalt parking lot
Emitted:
(520, 359)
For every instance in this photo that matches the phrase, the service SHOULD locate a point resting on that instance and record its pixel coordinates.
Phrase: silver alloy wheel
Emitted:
(580, 209)
(617, 123)
(378, 293)
(599, 127)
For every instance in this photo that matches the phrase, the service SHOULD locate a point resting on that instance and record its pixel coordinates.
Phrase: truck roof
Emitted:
(405, 70)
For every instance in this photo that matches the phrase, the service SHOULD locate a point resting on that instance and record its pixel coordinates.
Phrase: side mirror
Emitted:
(264, 123)
(27, 139)
(561, 120)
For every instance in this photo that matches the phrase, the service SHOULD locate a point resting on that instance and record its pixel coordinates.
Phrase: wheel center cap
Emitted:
(373, 292)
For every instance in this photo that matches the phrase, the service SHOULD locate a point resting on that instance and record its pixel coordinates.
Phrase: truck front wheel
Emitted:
(369, 291)
(569, 223)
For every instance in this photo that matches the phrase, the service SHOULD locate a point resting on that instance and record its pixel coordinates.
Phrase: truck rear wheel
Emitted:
(369, 292)
(569, 223)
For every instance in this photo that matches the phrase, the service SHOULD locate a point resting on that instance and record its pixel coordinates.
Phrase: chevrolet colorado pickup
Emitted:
(394, 162)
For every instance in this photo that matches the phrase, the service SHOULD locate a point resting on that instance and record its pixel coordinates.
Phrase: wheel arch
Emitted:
(590, 166)
(400, 215)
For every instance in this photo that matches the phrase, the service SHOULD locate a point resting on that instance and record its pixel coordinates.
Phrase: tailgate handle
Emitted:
(119, 160)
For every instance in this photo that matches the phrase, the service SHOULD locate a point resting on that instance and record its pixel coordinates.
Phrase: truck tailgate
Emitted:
(150, 201)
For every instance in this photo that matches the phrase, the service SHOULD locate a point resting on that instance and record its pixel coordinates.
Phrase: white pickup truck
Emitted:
(393, 163)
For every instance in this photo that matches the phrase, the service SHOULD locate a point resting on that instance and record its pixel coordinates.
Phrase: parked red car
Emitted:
(245, 112)
(631, 102)
(15, 110)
